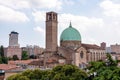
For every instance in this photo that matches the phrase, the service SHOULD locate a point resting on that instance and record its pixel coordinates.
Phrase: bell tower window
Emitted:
(51, 16)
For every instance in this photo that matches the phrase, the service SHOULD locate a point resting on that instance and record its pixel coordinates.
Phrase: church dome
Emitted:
(70, 34)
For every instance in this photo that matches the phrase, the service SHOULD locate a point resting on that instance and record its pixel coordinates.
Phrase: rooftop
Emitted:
(13, 32)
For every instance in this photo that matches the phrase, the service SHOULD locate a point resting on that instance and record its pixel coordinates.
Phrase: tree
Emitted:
(2, 51)
(107, 70)
(110, 61)
(17, 77)
(33, 57)
(95, 66)
(108, 74)
(24, 55)
(15, 57)
(68, 72)
(65, 72)
(4, 60)
(0, 60)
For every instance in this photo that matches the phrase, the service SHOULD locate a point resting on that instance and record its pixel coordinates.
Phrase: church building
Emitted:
(71, 49)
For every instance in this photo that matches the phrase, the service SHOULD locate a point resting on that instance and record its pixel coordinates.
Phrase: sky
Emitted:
(96, 20)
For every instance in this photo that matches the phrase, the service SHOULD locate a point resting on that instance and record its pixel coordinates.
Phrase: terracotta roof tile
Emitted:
(7, 66)
(37, 63)
(91, 46)
(22, 61)
(51, 61)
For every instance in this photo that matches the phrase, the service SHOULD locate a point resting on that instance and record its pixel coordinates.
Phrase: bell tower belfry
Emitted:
(51, 31)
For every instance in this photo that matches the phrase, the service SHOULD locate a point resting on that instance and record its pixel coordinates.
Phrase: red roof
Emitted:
(22, 61)
(91, 46)
(7, 66)
(51, 61)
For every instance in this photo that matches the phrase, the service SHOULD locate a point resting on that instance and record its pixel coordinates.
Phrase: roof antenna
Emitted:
(70, 24)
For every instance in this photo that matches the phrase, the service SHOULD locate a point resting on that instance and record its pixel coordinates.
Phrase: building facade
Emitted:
(33, 50)
(115, 48)
(71, 49)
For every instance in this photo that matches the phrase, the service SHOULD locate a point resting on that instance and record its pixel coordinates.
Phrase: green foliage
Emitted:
(94, 66)
(24, 55)
(9, 58)
(2, 51)
(32, 56)
(15, 57)
(108, 74)
(66, 72)
(4, 60)
(26, 73)
(105, 70)
(0, 60)
(111, 62)
(17, 77)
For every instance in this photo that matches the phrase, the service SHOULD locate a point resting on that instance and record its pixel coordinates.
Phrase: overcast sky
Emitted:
(97, 20)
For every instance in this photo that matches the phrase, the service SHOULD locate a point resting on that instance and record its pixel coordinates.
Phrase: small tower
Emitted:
(103, 45)
(14, 47)
(13, 39)
(51, 31)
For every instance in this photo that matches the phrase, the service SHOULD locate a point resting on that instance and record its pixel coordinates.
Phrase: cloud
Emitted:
(46, 4)
(38, 16)
(111, 17)
(93, 30)
(39, 29)
(68, 2)
(87, 26)
(16, 4)
(10, 15)
(21, 4)
(80, 22)
(83, 1)
(110, 8)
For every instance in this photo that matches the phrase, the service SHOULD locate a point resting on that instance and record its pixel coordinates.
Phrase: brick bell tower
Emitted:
(51, 31)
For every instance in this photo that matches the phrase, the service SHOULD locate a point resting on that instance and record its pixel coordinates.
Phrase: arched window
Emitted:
(81, 54)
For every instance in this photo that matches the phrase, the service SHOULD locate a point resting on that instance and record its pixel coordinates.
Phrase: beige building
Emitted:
(71, 49)
(13, 48)
(33, 50)
(115, 48)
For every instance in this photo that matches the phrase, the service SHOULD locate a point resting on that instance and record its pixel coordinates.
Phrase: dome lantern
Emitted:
(70, 25)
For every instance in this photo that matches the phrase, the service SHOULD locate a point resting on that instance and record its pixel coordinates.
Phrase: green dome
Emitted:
(70, 34)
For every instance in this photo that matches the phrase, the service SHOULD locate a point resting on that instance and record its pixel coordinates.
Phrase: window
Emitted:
(81, 54)
(54, 16)
(49, 17)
